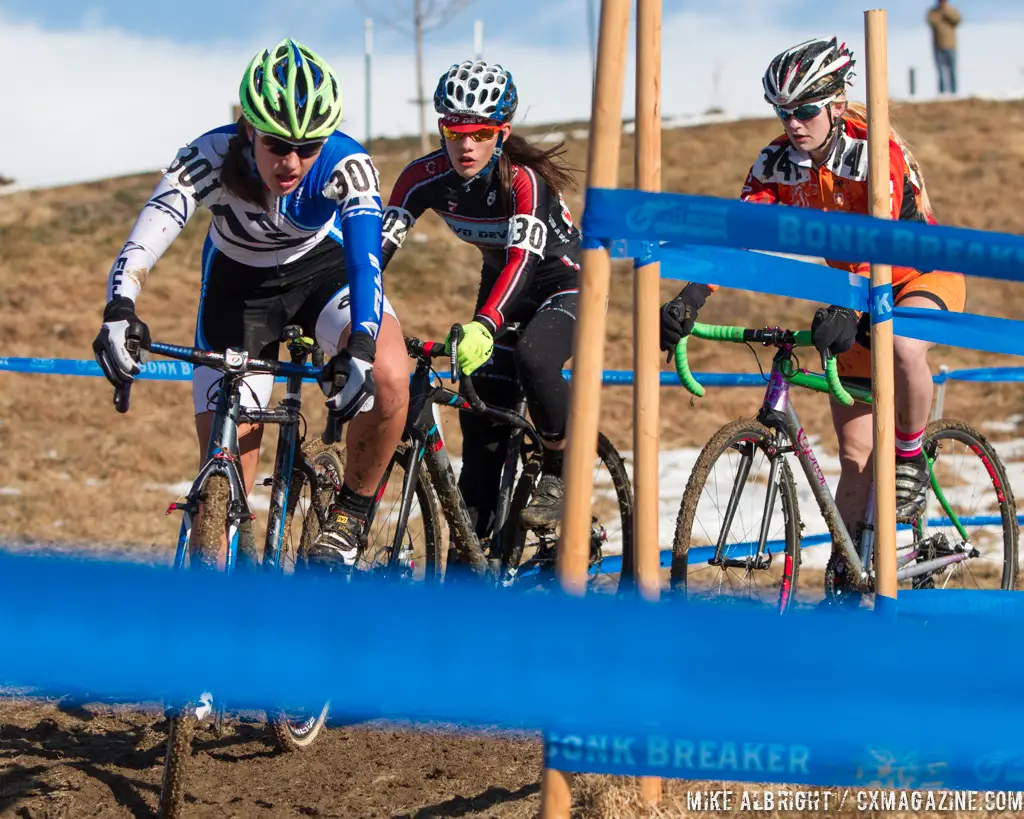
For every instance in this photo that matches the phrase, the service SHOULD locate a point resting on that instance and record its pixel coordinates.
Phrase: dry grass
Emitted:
(81, 469)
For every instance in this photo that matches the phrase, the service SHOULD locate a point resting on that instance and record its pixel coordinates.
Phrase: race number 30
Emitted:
(528, 233)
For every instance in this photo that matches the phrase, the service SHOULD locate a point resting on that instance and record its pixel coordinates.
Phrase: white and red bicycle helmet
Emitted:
(813, 70)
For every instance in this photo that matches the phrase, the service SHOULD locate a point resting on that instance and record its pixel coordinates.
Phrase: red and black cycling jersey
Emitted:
(528, 240)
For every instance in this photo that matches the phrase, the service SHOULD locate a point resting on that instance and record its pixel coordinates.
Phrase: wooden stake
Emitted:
(881, 332)
(646, 355)
(588, 344)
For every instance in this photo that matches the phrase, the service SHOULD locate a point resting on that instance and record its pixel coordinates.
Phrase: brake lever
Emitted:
(454, 337)
(332, 429)
(133, 344)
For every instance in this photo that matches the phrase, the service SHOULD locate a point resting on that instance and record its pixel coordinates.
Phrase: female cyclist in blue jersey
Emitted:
(499, 193)
(294, 238)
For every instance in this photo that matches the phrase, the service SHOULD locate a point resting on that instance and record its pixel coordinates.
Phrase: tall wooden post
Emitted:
(588, 345)
(881, 328)
(646, 356)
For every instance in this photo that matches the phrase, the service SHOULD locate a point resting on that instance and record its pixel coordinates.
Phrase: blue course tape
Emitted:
(176, 371)
(788, 277)
(684, 219)
(764, 274)
(880, 300)
(98, 619)
(153, 370)
(613, 563)
(984, 374)
(994, 335)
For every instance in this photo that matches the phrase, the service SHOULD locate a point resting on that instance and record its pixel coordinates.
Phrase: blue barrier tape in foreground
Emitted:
(176, 371)
(673, 217)
(111, 641)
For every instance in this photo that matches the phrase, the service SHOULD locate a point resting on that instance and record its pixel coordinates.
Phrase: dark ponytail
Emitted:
(237, 173)
(548, 164)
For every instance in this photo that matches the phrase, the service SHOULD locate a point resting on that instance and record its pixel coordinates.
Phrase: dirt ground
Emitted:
(59, 761)
(74, 473)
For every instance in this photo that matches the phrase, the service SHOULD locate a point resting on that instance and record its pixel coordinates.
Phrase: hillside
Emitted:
(73, 470)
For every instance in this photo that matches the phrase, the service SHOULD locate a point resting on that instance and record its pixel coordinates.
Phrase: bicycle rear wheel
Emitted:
(203, 551)
(725, 505)
(980, 553)
(612, 556)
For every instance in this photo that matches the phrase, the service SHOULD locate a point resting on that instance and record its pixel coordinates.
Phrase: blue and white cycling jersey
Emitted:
(340, 195)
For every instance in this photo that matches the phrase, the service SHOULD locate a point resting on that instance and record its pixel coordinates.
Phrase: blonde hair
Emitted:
(858, 112)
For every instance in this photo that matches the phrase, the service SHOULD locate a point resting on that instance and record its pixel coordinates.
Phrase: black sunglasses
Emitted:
(279, 147)
(809, 110)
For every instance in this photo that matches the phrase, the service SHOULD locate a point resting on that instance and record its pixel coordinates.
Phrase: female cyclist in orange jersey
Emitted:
(821, 162)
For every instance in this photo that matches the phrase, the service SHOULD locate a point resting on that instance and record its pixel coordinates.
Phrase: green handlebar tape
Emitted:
(803, 338)
(837, 390)
(683, 369)
(713, 332)
(718, 332)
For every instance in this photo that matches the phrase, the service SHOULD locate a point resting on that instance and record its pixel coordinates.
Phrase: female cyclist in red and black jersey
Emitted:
(499, 193)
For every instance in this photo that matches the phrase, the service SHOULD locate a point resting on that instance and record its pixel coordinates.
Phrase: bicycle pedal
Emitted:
(268, 481)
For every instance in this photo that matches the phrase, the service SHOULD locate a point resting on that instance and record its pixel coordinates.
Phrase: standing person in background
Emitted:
(943, 20)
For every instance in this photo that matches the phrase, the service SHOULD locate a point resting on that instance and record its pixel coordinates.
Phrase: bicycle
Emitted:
(936, 550)
(218, 493)
(498, 559)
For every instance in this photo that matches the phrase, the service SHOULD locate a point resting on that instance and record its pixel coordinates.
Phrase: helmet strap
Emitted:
(833, 129)
(483, 176)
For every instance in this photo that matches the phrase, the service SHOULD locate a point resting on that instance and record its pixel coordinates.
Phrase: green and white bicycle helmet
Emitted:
(290, 92)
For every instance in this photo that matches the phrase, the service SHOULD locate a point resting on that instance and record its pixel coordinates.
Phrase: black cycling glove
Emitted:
(833, 330)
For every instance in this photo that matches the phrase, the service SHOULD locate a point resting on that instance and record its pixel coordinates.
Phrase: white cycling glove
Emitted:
(110, 345)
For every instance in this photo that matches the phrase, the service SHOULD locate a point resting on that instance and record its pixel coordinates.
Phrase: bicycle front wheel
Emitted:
(419, 543)
(729, 499)
(207, 538)
(969, 532)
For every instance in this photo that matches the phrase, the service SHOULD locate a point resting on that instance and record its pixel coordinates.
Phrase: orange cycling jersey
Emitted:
(785, 175)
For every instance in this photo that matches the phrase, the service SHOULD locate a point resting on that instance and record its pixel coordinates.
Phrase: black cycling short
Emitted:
(249, 307)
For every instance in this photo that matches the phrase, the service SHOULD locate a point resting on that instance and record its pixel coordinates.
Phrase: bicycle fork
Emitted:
(413, 462)
(222, 458)
(760, 560)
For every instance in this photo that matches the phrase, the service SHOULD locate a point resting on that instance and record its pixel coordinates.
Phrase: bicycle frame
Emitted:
(428, 447)
(222, 452)
(777, 412)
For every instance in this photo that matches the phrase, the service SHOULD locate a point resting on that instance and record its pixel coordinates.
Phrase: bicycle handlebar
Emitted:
(231, 361)
(769, 336)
